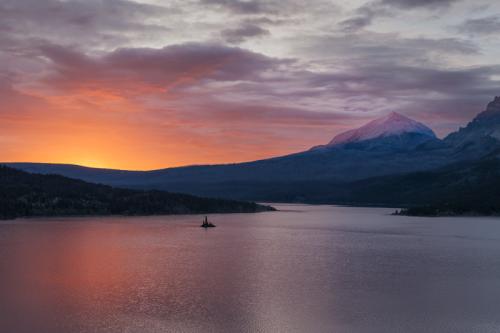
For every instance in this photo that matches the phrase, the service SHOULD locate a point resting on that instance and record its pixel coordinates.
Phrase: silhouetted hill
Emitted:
(25, 194)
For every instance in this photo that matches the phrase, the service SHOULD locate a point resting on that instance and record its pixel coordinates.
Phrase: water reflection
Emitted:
(318, 269)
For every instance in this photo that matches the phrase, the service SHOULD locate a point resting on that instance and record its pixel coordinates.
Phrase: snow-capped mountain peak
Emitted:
(389, 125)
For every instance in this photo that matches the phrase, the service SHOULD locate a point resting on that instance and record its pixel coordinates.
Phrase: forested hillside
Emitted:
(25, 194)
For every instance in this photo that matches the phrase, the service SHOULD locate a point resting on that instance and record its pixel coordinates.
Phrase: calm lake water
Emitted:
(303, 269)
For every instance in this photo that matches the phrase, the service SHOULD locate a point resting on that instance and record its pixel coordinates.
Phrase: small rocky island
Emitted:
(24, 194)
(207, 224)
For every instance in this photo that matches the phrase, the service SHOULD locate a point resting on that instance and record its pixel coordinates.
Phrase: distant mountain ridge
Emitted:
(373, 150)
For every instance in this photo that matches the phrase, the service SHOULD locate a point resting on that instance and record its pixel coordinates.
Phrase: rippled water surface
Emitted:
(302, 269)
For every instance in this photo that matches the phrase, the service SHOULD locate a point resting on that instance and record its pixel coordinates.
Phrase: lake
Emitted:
(302, 269)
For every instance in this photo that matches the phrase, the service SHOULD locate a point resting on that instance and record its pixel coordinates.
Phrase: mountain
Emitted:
(23, 195)
(393, 124)
(337, 163)
(354, 160)
(374, 150)
(485, 125)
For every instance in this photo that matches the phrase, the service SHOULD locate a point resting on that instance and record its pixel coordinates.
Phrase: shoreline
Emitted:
(32, 217)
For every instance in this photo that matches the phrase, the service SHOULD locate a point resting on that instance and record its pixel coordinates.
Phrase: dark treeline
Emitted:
(24, 194)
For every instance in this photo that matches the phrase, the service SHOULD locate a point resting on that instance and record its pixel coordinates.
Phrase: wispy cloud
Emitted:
(488, 25)
(243, 32)
(366, 14)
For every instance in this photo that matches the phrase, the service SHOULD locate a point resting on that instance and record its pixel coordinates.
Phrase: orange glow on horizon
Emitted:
(107, 125)
(111, 139)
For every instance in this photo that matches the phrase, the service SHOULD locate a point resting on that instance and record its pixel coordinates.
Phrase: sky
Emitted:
(157, 83)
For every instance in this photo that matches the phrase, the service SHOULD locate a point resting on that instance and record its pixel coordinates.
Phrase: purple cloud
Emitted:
(167, 67)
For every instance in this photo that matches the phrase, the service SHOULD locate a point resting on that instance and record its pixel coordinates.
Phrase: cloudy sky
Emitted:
(157, 83)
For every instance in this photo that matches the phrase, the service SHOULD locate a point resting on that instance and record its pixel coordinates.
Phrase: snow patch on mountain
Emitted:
(390, 125)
